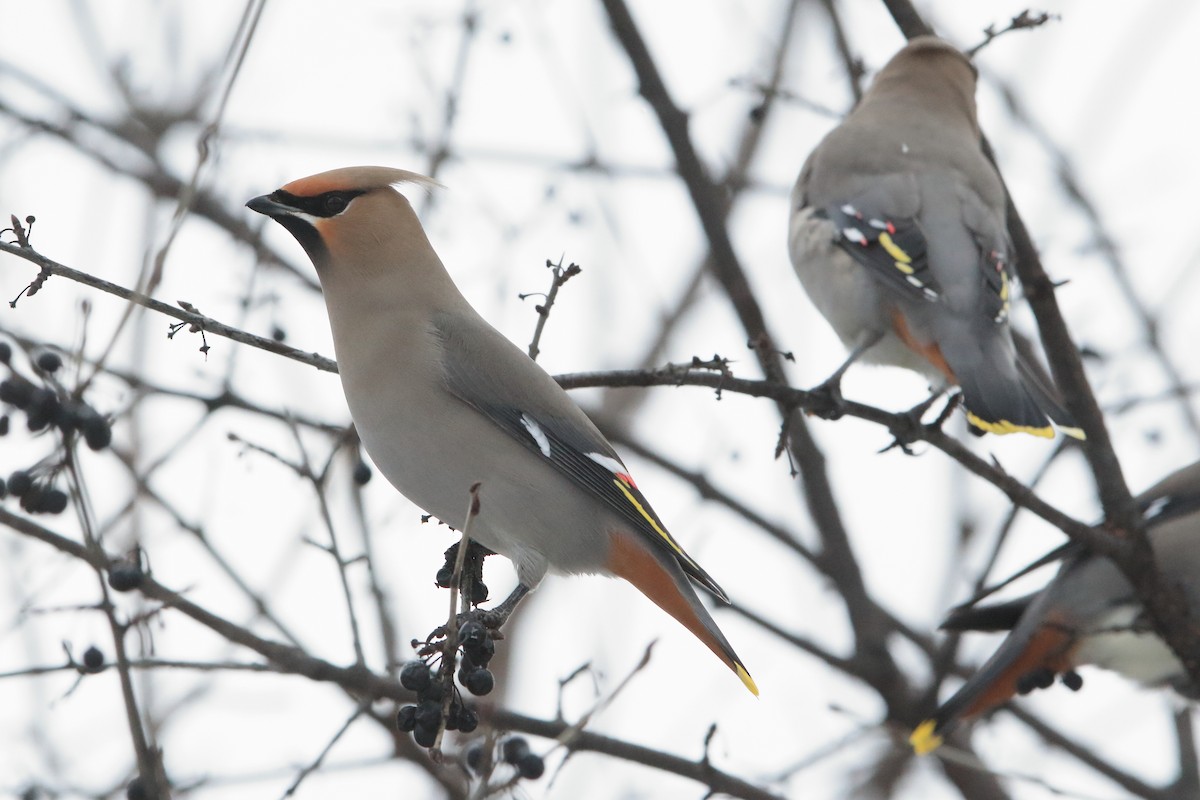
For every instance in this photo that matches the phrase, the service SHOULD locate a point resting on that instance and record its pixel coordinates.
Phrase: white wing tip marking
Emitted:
(536, 432)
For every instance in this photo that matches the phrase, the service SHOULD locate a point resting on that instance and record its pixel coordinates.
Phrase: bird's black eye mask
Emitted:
(326, 204)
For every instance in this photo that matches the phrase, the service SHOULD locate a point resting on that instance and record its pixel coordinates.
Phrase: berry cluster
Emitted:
(431, 712)
(50, 405)
(424, 719)
(46, 404)
(514, 750)
(37, 497)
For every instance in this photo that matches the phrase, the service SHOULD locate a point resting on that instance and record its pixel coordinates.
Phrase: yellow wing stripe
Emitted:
(649, 517)
(894, 250)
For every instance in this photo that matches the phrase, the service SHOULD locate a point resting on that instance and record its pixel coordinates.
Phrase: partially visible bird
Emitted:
(898, 236)
(1087, 615)
(443, 401)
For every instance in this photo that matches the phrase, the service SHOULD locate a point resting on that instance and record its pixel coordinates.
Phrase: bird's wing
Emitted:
(489, 373)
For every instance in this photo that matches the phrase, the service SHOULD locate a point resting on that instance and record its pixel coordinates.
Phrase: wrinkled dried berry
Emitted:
(415, 676)
(406, 719)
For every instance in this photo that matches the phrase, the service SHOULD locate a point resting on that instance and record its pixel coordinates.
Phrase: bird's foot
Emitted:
(907, 427)
(825, 399)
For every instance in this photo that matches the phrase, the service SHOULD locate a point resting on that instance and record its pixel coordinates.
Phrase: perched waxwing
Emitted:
(898, 236)
(1087, 615)
(443, 401)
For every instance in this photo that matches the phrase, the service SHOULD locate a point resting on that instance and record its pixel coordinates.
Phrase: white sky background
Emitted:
(546, 87)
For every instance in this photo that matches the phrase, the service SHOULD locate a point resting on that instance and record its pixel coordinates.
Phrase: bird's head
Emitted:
(348, 217)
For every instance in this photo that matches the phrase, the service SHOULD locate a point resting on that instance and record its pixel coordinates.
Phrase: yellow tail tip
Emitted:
(924, 739)
(1001, 427)
(746, 679)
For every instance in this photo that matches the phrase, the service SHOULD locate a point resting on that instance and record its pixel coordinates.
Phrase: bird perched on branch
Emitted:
(898, 236)
(1087, 615)
(443, 401)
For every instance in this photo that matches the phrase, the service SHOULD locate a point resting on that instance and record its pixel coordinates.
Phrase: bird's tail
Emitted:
(660, 578)
(1002, 392)
(1042, 650)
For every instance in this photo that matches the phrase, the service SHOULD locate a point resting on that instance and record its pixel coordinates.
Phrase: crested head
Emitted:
(350, 219)
(359, 179)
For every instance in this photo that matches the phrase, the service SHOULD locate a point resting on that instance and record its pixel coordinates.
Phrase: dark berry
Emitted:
(4, 423)
(278, 333)
(480, 682)
(54, 501)
(406, 719)
(3, 489)
(471, 634)
(530, 766)
(434, 692)
(415, 676)
(16, 391)
(445, 576)
(50, 362)
(468, 720)
(96, 430)
(5, 352)
(136, 790)
(474, 757)
(479, 592)
(31, 501)
(20, 482)
(362, 473)
(43, 408)
(513, 748)
(93, 659)
(429, 713)
(125, 577)
(481, 653)
(1072, 680)
(425, 736)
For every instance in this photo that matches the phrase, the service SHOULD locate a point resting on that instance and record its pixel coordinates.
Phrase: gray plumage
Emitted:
(1087, 615)
(442, 401)
(898, 235)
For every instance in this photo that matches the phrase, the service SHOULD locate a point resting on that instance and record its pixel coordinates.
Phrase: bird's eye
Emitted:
(335, 203)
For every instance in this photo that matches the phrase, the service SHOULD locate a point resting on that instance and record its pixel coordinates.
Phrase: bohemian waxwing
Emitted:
(1088, 614)
(898, 236)
(443, 401)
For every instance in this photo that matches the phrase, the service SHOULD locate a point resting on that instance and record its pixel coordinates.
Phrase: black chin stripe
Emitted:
(321, 205)
(308, 238)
